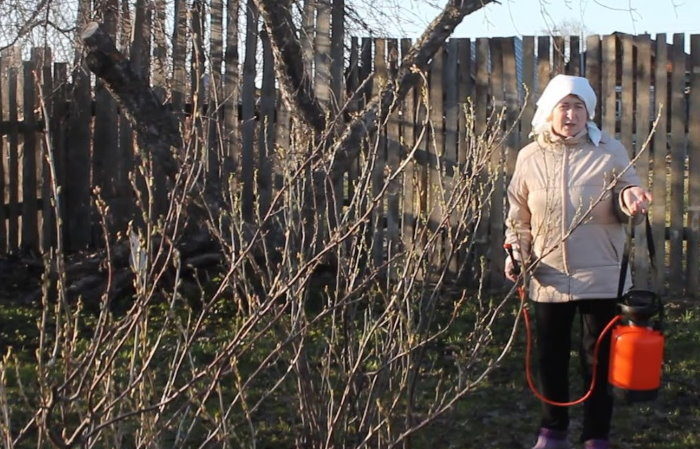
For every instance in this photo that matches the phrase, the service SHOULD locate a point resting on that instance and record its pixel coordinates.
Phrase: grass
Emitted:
(501, 413)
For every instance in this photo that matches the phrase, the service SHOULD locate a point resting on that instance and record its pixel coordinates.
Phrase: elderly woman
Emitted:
(567, 222)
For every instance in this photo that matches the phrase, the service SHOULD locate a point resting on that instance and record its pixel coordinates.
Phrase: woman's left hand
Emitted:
(636, 200)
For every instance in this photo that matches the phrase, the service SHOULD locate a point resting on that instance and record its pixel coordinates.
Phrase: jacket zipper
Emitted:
(564, 220)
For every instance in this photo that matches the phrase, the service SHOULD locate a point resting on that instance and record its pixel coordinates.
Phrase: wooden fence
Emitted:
(92, 145)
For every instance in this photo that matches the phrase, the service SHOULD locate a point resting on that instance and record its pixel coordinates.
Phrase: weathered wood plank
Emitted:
(465, 96)
(481, 234)
(59, 110)
(409, 207)
(558, 55)
(608, 94)
(450, 170)
(179, 43)
(393, 159)
(4, 157)
(30, 224)
(592, 71)
(159, 62)
(510, 89)
(248, 125)
(42, 62)
(352, 85)
(215, 151)
(658, 206)
(12, 173)
(436, 153)
(642, 122)
(573, 67)
(627, 95)
(377, 153)
(693, 271)
(337, 52)
(322, 53)
(531, 88)
(678, 152)
(497, 222)
(544, 72)
(266, 133)
(230, 128)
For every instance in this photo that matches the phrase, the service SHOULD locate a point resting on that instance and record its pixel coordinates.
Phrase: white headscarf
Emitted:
(559, 87)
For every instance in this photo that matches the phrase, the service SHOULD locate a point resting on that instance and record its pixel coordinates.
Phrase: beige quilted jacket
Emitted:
(577, 249)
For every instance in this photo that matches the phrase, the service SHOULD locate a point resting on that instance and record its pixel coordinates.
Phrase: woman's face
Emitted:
(569, 116)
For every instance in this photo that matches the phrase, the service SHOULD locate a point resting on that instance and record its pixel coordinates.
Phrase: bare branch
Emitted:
(296, 86)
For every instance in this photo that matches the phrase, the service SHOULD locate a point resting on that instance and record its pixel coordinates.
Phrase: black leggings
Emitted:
(553, 332)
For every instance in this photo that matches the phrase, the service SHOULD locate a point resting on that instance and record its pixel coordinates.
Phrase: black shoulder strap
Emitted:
(626, 254)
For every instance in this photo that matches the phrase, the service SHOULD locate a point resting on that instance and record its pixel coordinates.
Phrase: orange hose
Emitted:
(528, 351)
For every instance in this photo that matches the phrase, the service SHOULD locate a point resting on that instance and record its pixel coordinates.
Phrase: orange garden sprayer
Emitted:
(636, 345)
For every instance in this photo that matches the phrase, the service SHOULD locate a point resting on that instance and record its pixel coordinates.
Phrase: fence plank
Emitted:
(10, 113)
(408, 140)
(197, 63)
(337, 52)
(352, 85)
(658, 208)
(531, 90)
(436, 151)
(215, 150)
(573, 67)
(510, 89)
(248, 125)
(451, 113)
(465, 95)
(393, 157)
(266, 137)
(608, 93)
(678, 153)
(592, 70)
(642, 118)
(160, 50)
(308, 27)
(4, 156)
(693, 271)
(544, 73)
(59, 110)
(322, 53)
(43, 64)
(558, 55)
(626, 111)
(481, 234)
(378, 155)
(179, 43)
(230, 128)
(497, 156)
(30, 226)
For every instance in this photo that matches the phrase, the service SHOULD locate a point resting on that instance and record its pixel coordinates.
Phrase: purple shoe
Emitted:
(596, 444)
(551, 439)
